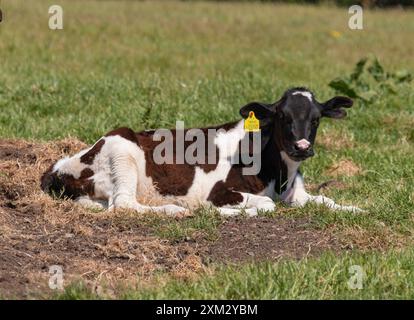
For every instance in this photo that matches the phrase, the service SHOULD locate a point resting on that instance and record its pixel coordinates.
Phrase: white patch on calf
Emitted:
(204, 182)
(258, 201)
(306, 94)
(298, 197)
(71, 165)
(227, 144)
(115, 149)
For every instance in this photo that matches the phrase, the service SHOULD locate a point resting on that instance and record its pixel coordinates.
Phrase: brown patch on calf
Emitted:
(207, 167)
(79, 187)
(244, 183)
(174, 179)
(223, 194)
(89, 156)
(169, 179)
(220, 195)
(86, 173)
(125, 133)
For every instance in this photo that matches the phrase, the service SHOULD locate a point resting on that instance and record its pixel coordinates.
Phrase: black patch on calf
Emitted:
(66, 186)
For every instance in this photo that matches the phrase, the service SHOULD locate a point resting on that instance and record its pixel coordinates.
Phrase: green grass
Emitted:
(388, 276)
(148, 64)
(385, 277)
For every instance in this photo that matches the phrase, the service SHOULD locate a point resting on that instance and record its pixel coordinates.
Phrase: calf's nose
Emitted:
(302, 145)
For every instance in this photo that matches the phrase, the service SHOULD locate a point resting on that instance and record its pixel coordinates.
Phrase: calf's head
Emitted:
(291, 123)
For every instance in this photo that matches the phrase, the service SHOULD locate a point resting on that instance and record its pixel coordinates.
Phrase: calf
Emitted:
(120, 167)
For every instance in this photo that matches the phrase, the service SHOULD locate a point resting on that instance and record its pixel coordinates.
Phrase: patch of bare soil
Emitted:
(264, 238)
(37, 232)
(335, 140)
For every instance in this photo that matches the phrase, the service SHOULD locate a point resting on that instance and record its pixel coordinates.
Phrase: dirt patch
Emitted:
(37, 232)
(344, 168)
(264, 238)
(336, 140)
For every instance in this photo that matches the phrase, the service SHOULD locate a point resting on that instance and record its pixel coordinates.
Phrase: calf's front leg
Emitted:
(231, 203)
(298, 197)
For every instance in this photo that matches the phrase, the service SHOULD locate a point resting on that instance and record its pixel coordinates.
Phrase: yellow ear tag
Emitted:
(251, 124)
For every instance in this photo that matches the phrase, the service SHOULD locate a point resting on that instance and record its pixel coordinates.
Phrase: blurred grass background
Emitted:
(145, 64)
(364, 3)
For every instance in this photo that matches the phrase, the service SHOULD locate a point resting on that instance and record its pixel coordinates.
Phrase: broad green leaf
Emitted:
(342, 86)
(377, 71)
(359, 68)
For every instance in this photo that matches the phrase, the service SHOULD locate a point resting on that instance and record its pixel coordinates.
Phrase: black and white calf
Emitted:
(120, 166)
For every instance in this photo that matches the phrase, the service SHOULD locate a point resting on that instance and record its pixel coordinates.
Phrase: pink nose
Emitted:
(302, 144)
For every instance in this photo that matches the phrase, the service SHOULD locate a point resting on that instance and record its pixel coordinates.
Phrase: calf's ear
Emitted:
(333, 108)
(263, 111)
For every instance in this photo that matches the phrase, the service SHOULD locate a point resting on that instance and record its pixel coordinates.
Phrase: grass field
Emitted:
(148, 64)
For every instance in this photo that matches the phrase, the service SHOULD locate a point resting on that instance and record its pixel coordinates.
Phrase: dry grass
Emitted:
(38, 231)
(382, 238)
(335, 139)
(345, 168)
